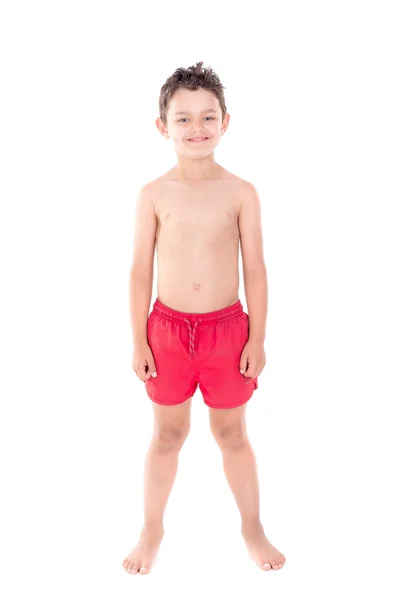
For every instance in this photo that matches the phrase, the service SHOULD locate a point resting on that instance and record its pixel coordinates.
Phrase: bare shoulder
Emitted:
(236, 181)
(147, 196)
(158, 186)
(245, 192)
(148, 190)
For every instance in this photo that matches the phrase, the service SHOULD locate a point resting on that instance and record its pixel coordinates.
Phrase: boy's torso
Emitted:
(197, 241)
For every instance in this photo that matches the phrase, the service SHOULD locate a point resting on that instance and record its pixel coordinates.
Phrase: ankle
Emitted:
(251, 525)
(153, 526)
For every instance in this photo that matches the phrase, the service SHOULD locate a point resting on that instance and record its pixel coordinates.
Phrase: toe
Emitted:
(267, 566)
(275, 564)
(144, 570)
(127, 565)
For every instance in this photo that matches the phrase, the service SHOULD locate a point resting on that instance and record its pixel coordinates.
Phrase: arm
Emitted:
(254, 269)
(141, 271)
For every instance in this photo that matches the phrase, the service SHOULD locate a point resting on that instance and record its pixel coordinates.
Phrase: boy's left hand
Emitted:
(252, 359)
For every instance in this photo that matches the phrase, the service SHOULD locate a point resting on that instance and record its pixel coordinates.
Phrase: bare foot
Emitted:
(142, 556)
(264, 554)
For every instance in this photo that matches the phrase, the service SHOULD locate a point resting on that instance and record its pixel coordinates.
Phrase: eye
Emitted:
(183, 118)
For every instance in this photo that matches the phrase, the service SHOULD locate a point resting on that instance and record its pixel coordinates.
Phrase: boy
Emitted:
(198, 332)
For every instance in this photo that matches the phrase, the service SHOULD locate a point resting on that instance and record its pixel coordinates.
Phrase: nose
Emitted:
(197, 126)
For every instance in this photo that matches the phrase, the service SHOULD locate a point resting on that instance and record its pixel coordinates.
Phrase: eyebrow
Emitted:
(185, 112)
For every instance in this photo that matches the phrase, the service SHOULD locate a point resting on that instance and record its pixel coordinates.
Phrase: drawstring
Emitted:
(191, 336)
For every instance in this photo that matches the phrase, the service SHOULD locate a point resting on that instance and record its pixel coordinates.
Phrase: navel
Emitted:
(196, 286)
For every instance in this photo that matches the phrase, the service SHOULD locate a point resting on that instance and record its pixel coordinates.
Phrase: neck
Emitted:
(195, 169)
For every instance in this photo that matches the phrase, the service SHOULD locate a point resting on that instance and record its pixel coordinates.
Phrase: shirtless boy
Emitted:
(197, 333)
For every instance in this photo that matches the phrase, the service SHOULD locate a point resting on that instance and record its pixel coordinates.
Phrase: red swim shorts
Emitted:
(204, 349)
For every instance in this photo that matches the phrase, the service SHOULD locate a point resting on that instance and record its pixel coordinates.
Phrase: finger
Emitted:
(247, 371)
(152, 370)
(243, 364)
(138, 375)
(144, 373)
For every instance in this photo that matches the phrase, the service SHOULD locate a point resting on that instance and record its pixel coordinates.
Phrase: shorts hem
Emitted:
(230, 405)
(169, 403)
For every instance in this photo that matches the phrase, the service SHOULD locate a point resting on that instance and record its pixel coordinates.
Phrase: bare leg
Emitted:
(171, 427)
(228, 427)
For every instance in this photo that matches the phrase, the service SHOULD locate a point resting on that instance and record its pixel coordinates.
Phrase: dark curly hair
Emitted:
(192, 78)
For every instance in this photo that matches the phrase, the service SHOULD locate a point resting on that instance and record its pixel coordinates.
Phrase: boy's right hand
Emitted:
(143, 362)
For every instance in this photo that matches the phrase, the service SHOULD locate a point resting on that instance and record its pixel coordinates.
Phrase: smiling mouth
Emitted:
(196, 140)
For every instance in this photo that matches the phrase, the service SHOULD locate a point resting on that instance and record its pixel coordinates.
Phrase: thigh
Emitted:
(172, 418)
(228, 420)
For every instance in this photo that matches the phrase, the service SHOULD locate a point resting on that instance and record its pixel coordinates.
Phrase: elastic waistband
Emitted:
(216, 315)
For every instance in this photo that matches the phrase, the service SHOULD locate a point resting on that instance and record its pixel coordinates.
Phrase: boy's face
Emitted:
(199, 116)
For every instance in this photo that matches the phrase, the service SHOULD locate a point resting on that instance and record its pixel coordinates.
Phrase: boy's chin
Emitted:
(198, 154)
(201, 150)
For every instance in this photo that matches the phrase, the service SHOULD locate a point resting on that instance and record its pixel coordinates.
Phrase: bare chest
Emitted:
(197, 213)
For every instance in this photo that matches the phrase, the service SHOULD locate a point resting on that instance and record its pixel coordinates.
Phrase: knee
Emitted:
(169, 437)
(231, 436)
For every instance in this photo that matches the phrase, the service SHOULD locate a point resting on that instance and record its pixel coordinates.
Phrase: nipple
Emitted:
(196, 286)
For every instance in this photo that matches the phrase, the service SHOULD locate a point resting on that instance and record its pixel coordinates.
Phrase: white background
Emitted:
(313, 93)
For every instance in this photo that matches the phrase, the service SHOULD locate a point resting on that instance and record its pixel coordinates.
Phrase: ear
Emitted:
(225, 123)
(162, 128)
